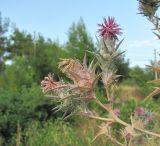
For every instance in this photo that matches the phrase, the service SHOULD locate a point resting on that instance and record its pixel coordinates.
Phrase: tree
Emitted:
(21, 44)
(79, 40)
(4, 24)
(46, 56)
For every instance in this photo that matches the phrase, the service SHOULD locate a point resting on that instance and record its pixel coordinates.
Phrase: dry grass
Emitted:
(129, 92)
(87, 127)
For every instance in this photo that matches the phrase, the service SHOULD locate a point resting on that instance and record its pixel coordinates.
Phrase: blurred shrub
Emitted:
(60, 133)
(23, 107)
(138, 78)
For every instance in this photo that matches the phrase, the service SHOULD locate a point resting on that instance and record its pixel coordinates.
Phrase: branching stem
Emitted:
(116, 119)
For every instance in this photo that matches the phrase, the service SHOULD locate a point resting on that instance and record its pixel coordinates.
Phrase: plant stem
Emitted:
(112, 113)
(99, 118)
(116, 119)
(115, 141)
(147, 132)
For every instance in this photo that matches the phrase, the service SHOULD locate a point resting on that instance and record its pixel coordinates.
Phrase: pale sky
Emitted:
(52, 18)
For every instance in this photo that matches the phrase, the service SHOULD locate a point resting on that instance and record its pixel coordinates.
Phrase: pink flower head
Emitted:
(48, 83)
(140, 111)
(110, 29)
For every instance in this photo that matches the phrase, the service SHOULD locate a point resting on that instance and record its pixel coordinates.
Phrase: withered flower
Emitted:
(49, 84)
(83, 77)
(129, 133)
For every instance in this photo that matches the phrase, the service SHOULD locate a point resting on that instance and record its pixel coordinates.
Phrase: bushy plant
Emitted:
(22, 107)
(54, 133)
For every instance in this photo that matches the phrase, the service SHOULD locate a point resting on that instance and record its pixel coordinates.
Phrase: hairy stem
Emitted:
(147, 132)
(99, 118)
(112, 114)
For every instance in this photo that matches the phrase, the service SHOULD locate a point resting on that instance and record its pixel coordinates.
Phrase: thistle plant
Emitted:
(149, 9)
(75, 96)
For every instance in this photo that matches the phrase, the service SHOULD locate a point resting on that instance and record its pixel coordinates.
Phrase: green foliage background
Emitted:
(26, 116)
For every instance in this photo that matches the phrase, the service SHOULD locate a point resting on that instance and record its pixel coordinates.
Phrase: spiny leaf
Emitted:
(117, 46)
(157, 35)
(105, 46)
(103, 130)
(91, 65)
(85, 60)
(157, 23)
(119, 54)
